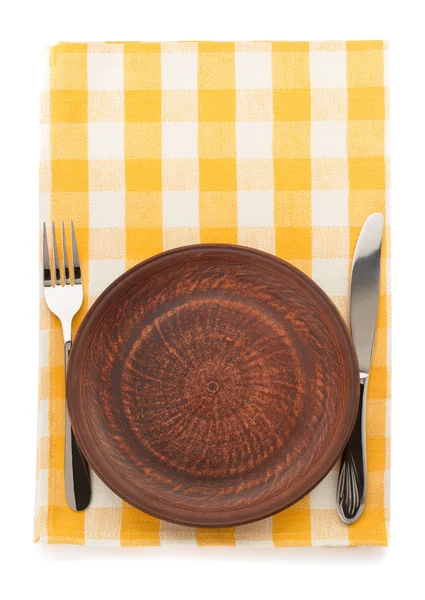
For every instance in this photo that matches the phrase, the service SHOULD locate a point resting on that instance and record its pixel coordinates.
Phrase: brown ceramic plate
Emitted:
(212, 385)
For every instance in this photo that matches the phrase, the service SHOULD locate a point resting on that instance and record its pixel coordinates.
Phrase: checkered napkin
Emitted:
(275, 145)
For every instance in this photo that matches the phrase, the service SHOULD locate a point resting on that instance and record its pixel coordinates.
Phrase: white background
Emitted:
(84, 573)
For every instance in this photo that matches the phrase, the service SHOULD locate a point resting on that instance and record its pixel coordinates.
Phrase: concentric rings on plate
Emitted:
(212, 385)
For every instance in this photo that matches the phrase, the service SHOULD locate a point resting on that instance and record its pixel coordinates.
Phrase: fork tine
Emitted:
(55, 257)
(75, 258)
(47, 275)
(65, 257)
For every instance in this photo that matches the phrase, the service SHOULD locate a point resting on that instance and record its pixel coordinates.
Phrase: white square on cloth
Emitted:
(180, 209)
(255, 209)
(329, 208)
(328, 139)
(105, 71)
(180, 140)
(106, 141)
(179, 70)
(331, 274)
(253, 70)
(254, 140)
(328, 69)
(102, 273)
(107, 209)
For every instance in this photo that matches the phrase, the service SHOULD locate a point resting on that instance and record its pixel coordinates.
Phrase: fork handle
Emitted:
(77, 474)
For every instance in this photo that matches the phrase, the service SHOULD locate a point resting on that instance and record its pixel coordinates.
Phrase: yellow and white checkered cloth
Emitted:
(276, 145)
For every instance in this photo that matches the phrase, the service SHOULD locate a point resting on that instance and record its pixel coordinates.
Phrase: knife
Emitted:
(364, 299)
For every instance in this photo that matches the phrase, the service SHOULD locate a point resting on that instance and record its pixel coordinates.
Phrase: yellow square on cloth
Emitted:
(280, 146)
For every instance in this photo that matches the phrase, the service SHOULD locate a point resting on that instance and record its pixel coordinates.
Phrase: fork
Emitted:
(64, 297)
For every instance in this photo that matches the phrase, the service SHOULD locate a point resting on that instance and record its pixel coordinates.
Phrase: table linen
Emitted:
(281, 146)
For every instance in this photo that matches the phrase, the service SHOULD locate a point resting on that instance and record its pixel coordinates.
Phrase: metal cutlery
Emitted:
(364, 299)
(63, 291)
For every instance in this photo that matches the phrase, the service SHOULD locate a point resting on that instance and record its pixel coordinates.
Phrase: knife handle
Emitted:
(351, 490)
(77, 474)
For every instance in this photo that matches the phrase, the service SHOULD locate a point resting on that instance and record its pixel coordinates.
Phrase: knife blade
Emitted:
(364, 300)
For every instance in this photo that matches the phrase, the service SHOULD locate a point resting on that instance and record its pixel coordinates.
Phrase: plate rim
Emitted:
(205, 518)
